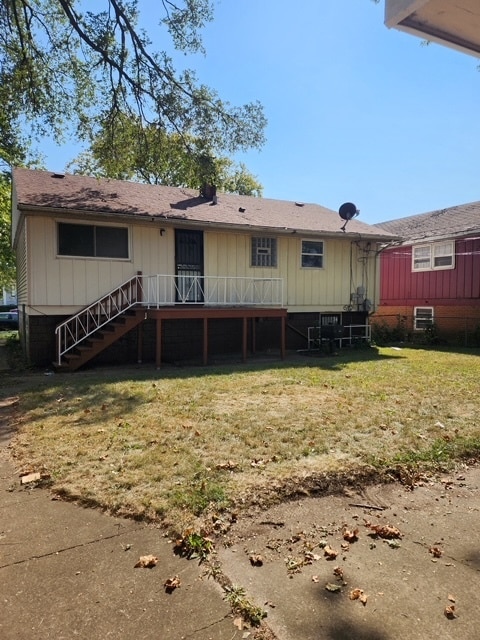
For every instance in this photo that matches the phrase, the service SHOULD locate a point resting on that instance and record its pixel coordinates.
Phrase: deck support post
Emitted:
(139, 343)
(205, 341)
(158, 344)
(244, 338)
(283, 324)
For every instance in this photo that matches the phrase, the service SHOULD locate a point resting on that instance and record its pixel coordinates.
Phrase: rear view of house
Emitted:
(432, 279)
(126, 272)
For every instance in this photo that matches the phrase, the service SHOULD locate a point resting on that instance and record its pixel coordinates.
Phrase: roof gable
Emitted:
(44, 190)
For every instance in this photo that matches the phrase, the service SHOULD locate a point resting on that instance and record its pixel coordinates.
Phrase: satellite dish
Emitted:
(347, 211)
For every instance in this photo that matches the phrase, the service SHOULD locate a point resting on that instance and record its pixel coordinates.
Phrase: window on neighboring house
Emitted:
(423, 318)
(438, 255)
(264, 252)
(92, 241)
(312, 254)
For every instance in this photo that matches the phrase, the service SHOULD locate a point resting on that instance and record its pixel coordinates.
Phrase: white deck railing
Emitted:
(166, 290)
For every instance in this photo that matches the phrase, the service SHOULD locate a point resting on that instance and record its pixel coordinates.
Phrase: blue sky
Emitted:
(356, 112)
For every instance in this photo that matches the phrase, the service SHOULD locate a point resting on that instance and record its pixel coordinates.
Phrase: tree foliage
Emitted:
(7, 258)
(64, 66)
(149, 154)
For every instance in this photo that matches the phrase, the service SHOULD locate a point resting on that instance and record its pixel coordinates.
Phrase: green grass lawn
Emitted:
(180, 444)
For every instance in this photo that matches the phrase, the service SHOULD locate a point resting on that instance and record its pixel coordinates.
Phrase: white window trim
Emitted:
(431, 247)
(415, 319)
(312, 254)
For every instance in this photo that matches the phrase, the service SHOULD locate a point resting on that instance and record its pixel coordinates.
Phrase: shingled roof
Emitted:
(462, 220)
(46, 191)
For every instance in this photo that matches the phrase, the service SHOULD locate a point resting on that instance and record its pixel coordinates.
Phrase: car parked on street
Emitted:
(9, 320)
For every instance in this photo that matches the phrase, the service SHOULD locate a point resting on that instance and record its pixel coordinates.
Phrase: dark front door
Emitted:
(189, 265)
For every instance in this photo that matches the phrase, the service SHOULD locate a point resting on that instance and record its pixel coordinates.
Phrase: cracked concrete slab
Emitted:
(407, 587)
(69, 572)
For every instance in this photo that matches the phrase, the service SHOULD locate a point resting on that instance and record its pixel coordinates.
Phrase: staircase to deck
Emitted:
(96, 327)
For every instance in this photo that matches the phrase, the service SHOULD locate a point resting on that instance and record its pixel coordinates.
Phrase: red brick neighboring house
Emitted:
(432, 278)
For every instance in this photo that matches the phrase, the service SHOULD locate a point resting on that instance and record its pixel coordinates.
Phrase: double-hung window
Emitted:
(430, 257)
(92, 241)
(312, 254)
(264, 252)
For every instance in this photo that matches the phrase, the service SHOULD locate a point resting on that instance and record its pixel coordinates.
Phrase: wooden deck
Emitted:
(246, 314)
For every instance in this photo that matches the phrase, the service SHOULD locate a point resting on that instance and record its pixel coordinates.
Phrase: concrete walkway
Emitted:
(67, 572)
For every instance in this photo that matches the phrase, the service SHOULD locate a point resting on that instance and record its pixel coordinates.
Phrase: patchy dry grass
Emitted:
(173, 444)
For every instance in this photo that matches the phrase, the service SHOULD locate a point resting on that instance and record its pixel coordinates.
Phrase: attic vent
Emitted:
(58, 175)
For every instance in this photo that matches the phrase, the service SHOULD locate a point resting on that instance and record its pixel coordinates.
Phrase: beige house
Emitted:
(121, 271)
(454, 24)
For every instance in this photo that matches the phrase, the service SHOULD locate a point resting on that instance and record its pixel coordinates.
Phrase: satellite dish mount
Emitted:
(346, 212)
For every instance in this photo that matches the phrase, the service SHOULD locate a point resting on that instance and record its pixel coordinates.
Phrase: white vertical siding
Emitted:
(21, 265)
(71, 283)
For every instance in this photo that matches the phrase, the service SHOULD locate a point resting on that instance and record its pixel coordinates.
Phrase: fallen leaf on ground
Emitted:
(451, 598)
(256, 560)
(358, 594)
(333, 588)
(338, 571)
(436, 552)
(171, 584)
(450, 612)
(315, 579)
(393, 544)
(147, 562)
(238, 622)
(229, 465)
(350, 536)
(330, 553)
(383, 530)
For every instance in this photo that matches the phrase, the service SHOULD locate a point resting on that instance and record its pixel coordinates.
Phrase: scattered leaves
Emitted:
(238, 622)
(393, 544)
(193, 545)
(330, 553)
(436, 552)
(147, 562)
(333, 588)
(227, 466)
(450, 612)
(383, 530)
(358, 594)
(171, 584)
(338, 572)
(256, 560)
(350, 536)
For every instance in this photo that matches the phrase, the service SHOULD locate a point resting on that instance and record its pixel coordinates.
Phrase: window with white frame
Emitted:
(264, 252)
(92, 241)
(430, 257)
(423, 318)
(312, 254)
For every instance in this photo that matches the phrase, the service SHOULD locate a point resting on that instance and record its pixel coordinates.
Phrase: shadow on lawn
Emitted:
(88, 387)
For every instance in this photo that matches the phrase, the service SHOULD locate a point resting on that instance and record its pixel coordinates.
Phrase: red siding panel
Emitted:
(399, 285)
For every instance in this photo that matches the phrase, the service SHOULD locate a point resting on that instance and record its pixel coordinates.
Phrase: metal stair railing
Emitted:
(86, 322)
